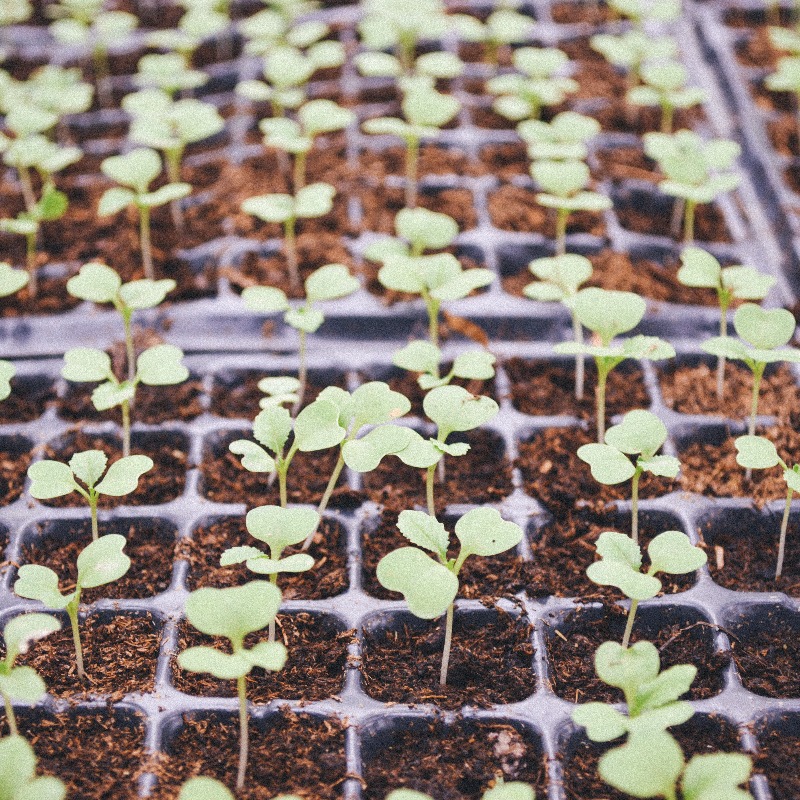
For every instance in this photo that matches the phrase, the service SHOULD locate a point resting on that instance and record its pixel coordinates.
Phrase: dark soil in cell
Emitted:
(757, 50)
(754, 17)
(289, 753)
(314, 668)
(14, 463)
(380, 206)
(483, 475)
(615, 115)
(626, 164)
(777, 759)
(457, 763)
(590, 13)
(119, 654)
(783, 133)
(402, 664)
(475, 52)
(433, 160)
(505, 161)
(329, 551)
(571, 646)
(28, 399)
(51, 297)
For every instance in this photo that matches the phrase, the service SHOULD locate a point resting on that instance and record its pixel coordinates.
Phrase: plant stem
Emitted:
(28, 194)
(302, 374)
(323, 503)
(784, 526)
(93, 511)
(243, 732)
(299, 178)
(72, 613)
(635, 505)
(126, 428)
(101, 73)
(30, 264)
(433, 320)
(580, 361)
(562, 215)
(758, 372)
(144, 240)
(291, 253)
(172, 158)
(273, 579)
(282, 470)
(667, 114)
(602, 377)
(626, 637)
(688, 222)
(448, 639)
(12, 720)
(723, 332)
(429, 490)
(412, 167)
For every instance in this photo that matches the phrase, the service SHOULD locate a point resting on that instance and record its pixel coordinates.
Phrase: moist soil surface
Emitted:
(327, 578)
(289, 753)
(14, 462)
(401, 664)
(457, 762)
(777, 759)
(28, 399)
(314, 669)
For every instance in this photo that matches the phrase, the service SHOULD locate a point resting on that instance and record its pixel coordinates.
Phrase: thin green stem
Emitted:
(12, 720)
(635, 505)
(429, 490)
(299, 177)
(291, 253)
(784, 527)
(688, 221)
(282, 470)
(723, 332)
(144, 241)
(412, 169)
(433, 306)
(302, 373)
(93, 512)
(602, 377)
(244, 745)
(126, 428)
(758, 372)
(667, 116)
(273, 579)
(562, 215)
(72, 613)
(323, 503)
(130, 351)
(173, 158)
(448, 640)
(626, 637)
(101, 75)
(580, 361)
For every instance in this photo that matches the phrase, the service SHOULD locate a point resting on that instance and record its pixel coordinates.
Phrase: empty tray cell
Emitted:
(15, 458)
(30, 396)
(778, 745)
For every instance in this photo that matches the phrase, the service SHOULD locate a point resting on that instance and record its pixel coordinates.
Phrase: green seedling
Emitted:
(640, 434)
(22, 683)
(670, 552)
(787, 79)
(331, 282)
(50, 91)
(700, 269)
(234, 613)
(430, 586)
(15, 12)
(198, 24)
(135, 171)
(562, 139)
(563, 185)
(629, 50)
(159, 365)
(423, 357)
(99, 563)
(559, 279)
(425, 70)
(51, 479)
(314, 200)
(11, 281)
(513, 790)
(642, 11)
(607, 314)
(297, 136)
(756, 452)
(18, 779)
(502, 28)
(764, 334)
(436, 278)
(787, 39)
(523, 96)
(168, 72)
(664, 86)
(697, 171)
(426, 111)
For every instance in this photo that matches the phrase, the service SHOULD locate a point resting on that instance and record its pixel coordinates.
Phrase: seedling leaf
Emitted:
(50, 479)
(96, 283)
(717, 776)
(453, 408)
(89, 466)
(36, 582)
(645, 766)
(161, 365)
(281, 527)
(602, 722)
(428, 587)
(762, 328)
(424, 531)
(317, 427)
(608, 465)
(102, 561)
(364, 454)
(483, 532)
(123, 475)
(672, 552)
(85, 364)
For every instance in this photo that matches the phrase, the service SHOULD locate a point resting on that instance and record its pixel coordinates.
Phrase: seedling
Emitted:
(297, 136)
(523, 96)
(502, 28)
(423, 357)
(756, 452)
(664, 86)
(22, 683)
(562, 139)
(135, 171)
(168, 72)
(15, 12)
(787, 79)
(426, 111)
(199, 23)
(560, 278)
(629, 50)
(670, 552)
(697, 171)
(234, 613)
(157, 366)
(641, 11)
(607, 314)
(330, 282)
(51, 479)
(50, 90)
(564, 189)
(99, 563)
(640, 434)
(314, 200)
(18, 779)
(11, 281)
(430, 586)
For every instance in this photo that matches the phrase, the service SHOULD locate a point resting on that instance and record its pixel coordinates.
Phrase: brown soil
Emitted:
(754, 17)
(757, 50)
(329, 551)
(51, 297)
(474, 52)
(766, 650)
(289, 752)
(504, 161)
(572, 645)
(591, 13)
(406, 384)
(380, 205)
(119, 654)
(483, 475)
(14, 461)
(401, 664)
(457, 762)
(625, 164)
(314, 669)
(151, 544)
(28, 399)
(783, 132)
(616, 115)
(433, 160)
(778, 761)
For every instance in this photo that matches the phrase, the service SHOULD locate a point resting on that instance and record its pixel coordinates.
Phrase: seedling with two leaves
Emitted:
(629, 50)
(423, 357)
(11, 281)
(18, 779)
(503, 27)
(429, 585)
(51, 92)
(564, 138)
(200, 23)
(664, 86)
(169, 72)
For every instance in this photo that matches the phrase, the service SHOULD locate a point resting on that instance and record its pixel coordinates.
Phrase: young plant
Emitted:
(787, 79)
(697, 171)
(49, 91)
(607, 314)
(640, 12)
(99, 563)
(51, 479)
(135, 171)
(198, 24)
(628, 51)
(423, 357)
(620, 565)
(234, 613)
(159, 365)
(563, 185)
(18, 779)
(640, 434)
(11, 281)
(756, 452)
(430, 586)
(314, 200)
(664, 86)
(564, 138)
(22, 683)
(502, 28)
(169, 72)
(701, 270)
(426, 111)
(330, 282)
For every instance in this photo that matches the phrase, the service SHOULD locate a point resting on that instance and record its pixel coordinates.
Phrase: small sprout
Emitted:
(563, 185)
(564, 138)
(640, 434)
(756, 452)
(426, 69)
(51, 479)
(168, 72)
(314, 200)
(664, 86)
(424, 358)
(22, 683)
(18, 780)
(607, 314)
(99, 563)
(502, 27)
(51, 92)
(273, 28)
(629, 50)
(234, 613)
(430, 586)
(787, 79)
(11, 281)
(203, 788)
(198, 24)
(426, 111)
(641, 11)
(159, 365)
(135, 171)
(523, 96)
(670, 552)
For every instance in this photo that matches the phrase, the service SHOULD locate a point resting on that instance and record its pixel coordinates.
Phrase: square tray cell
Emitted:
(778, 745)
(15, 458)
(30, 396)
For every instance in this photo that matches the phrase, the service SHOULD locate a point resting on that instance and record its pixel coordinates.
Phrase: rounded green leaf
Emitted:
(330, 282)
(461, 285)
(36, 582)
(262, 565)
(374, 403)
(324, 116)
(110, 394)
(746, 283)
(254, 458)
(238, 555)
(281, 527)
(270, 207)
(419, 452)
(146, 293)
(135, 170)
(11, 280)
(430, 230)
(631, 583)
(7, 372)
(424, 531)
(102, 561)
(645, 766)
(483, 532)
(364, 454)
(424, 106)
(639, 432)
(608, 465)
(113, 200)
(50, 479)
(23, 684)
(95, 282)
(304, 318)
(764, 329)
(627, 668)
(202, 788)
(164, 194)
(699, 268)
(123, 475)
(85, 364)
(267, 655)
(17, 765)
(673, 553)
(513, 790)
(603, 723)
(225, 666)
(418, 356)
(161, 365)
(89, 466)
(716, 776)
(377, 65)
(608, 313)
(272, 427)
(453, 408)
(25, 629)
(317, 427)
(474, 365)
(618, 547)
(314, 200)
(756, 452)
